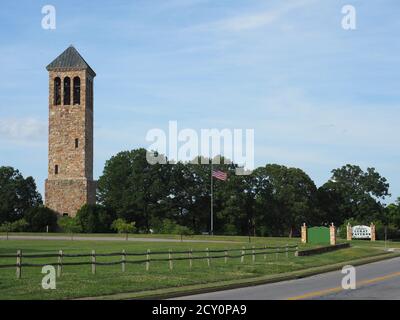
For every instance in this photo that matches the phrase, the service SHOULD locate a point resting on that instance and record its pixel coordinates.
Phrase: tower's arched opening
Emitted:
(57, 91)
(77, 90)
(67, 91)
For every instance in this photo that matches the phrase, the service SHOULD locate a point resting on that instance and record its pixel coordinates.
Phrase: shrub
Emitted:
(39, 218)
(183, 231)
(121, 226)
(391, 231)
(168, 226)
(231, 230)
(16, 226)
(94, 218)
(69, 225)
(19, 225)
(6, 227)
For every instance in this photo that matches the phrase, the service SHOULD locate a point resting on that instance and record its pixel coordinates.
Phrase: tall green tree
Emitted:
(293, 199)
(274, 200)
(392, 214)
(246, 198)
(353, 193)
(189, 195)
(17, 194)
(133, 188)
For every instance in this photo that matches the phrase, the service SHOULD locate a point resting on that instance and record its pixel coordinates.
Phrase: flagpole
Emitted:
(212, 201)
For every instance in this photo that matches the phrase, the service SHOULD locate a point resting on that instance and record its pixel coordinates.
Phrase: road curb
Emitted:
(234, 284)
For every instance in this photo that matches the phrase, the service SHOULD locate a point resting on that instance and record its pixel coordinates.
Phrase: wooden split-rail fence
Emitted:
(189, 255)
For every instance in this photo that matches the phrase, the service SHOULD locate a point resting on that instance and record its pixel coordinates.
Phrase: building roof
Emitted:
(70, 59)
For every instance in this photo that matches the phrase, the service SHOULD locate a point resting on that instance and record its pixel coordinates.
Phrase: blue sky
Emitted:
(316, 95)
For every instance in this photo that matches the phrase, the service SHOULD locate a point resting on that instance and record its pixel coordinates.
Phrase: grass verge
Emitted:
(234, 284)
(78, 281)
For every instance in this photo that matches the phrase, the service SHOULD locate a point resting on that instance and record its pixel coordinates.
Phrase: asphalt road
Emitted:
(379, 280)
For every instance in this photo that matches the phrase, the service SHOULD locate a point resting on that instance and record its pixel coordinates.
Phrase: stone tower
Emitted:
(70, 182)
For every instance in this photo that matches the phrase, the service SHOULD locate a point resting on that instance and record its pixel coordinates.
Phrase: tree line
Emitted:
(162, 198)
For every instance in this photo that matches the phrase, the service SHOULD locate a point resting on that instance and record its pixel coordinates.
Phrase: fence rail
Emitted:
(149, 257)
(73, 255)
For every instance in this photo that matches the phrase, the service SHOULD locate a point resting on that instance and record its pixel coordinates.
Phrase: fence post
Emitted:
(296, 254)
(123, 260)
(60, 261)
(148, 260)
(287, 250)
(19, 264)
(242, 257)
(226, 256)
(171, 266)
(93, 262)
(190, 258)
(208, 257)
(254, 254)
(265, 252)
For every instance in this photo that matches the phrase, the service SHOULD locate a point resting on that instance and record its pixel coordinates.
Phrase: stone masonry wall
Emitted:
(66, 196)
(73, 185)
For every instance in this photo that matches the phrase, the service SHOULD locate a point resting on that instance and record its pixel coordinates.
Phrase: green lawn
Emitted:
(244, 239)
(78, 281)
(379, 243)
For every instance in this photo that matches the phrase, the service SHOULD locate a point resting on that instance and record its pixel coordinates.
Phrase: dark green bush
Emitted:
(94, 219)
(39, 218)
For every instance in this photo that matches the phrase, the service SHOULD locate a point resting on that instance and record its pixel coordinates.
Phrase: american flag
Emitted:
(220, 175)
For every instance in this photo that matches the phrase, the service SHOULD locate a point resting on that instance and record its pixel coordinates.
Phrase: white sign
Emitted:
(361, 232)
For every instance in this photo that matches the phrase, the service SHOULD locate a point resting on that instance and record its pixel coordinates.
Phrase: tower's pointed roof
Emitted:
(70, 59)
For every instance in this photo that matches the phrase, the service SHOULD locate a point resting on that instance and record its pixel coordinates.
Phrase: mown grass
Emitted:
(241, 239)
(378, 243)
(78, 281)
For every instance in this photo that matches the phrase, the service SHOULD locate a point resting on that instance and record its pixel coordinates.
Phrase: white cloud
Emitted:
(254, 20)
(182, 3)
(248, 22)
(22, 129)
